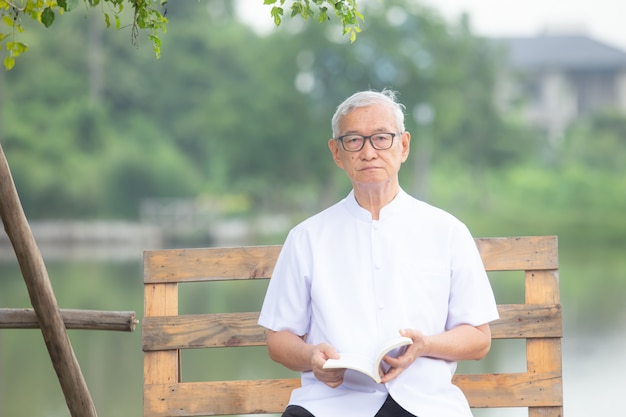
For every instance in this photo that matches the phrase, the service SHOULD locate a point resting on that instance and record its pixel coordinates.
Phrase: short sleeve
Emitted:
(471, 299)
(287, 302)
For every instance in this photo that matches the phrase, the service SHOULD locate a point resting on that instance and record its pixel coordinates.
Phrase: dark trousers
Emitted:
(389, 409)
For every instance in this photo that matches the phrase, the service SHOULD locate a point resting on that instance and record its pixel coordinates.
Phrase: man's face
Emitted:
(371, 166)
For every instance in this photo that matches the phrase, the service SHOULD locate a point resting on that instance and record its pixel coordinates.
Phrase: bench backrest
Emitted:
(165, 333)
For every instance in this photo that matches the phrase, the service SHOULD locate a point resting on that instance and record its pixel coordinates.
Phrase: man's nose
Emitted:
(368, 150)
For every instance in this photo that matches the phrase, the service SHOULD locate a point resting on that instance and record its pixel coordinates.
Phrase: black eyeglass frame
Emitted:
(393, 136)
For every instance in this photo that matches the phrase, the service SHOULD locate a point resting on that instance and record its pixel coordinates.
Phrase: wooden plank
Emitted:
(206, 264)
(545, 411)
(271, 396)
(519, 253)
(511, 389)
(25, 318)
(218, 398)
(241, 329)
(544, 355)
(542, 287)
(162, 367)
(518, 321)
(253, 262)
(202, 331)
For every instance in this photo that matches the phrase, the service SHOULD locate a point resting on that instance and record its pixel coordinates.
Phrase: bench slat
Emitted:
(529, 253)
(218, 398)
(241, 329)
(208, 264)
(511, 389)
(532, 321)
(161, 366)
(202, 331)
(272, 395)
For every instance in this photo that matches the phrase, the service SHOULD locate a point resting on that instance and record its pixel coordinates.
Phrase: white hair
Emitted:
(368, 98)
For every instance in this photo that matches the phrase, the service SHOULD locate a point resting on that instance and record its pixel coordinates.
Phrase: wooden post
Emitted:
(42, 297)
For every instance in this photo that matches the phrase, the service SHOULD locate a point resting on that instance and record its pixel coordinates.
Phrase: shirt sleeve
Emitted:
(287, 302)
(471, 296)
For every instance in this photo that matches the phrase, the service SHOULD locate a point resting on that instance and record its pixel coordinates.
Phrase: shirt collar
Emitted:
(386, 212)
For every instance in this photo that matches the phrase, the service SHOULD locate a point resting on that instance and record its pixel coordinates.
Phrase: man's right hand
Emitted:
(331, 377)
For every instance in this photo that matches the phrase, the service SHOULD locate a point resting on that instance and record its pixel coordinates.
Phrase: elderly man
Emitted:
(376, 265)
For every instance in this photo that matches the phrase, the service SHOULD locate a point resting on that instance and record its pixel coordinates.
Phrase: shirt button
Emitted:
(381, 306)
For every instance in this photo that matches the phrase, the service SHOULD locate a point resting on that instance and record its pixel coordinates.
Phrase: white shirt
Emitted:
(348, 280)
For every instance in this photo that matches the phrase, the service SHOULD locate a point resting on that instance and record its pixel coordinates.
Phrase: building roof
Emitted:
(571, 52)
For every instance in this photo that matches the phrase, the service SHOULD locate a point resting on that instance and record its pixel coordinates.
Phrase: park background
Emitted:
(223, 141)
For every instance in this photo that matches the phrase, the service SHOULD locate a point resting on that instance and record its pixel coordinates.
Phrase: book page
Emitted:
(369, 365)
(356, 362)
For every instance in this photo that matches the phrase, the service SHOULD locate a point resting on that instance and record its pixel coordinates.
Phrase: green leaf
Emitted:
(107, 20)
(296, 9)
(62, 4)
(9, 63)
(277, 13)
(8, 20)
(47, 17)
(19, 48)
(323, 15)
(155, 39)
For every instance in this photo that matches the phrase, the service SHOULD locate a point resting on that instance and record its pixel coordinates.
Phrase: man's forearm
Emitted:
(464, 342)
(290, 350)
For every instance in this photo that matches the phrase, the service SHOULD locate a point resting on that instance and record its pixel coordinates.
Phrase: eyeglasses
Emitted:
(379, 141)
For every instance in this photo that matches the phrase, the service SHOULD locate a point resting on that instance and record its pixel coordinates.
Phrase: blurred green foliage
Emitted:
(148, 16)
(145, 15)
(92, 126)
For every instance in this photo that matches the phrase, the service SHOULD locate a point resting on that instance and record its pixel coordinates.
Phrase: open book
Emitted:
(371, 364)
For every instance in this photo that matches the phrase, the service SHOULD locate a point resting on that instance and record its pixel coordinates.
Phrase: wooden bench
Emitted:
(537, 319)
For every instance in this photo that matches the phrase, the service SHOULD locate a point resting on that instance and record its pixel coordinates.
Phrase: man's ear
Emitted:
(405, 139)
(333, 145)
